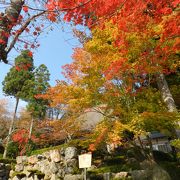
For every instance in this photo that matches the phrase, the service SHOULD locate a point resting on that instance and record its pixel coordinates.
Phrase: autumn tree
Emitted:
(144, 45)
(20, 139)
(4, 119)
(125, 98)
(56, 132)
(130, 16)
(149, 20)
(19, 83)
(123, 76)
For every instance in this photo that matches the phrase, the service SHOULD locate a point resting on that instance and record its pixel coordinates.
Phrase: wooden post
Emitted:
(85, 174)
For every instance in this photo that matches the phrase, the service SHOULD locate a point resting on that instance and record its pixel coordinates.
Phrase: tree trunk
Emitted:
(167, 97)
(150, 148)
(165, 92)
(7, 22)
(31, 127)
(11, 128)
(142, 147)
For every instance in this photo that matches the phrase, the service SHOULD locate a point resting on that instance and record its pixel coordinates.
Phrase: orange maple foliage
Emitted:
(21, 137)
(149, 19)
(128, 15)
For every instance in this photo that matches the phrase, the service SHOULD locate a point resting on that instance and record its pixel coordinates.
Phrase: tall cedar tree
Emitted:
(19, 83)
(38, 106)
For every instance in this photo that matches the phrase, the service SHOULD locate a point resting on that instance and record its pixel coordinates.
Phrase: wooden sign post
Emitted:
(85, 162)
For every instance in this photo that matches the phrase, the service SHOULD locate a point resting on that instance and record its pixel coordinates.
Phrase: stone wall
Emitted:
(63, 164)
(54, 165)
(51, 165)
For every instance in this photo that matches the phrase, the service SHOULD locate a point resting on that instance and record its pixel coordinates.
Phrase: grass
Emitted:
(107, 168)
(75, 142)
(41, 151)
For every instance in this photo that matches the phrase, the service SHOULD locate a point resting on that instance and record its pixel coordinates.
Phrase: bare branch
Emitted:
(21, 30)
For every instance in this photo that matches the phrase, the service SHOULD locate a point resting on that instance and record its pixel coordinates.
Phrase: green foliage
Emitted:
(161, 121)
(174, 78)
(23, 83)
(12, 162)
(176, 144)
(95, 176)
(42, 76)
(174, 85)
(104, 169)
(23, 59)
(19, 175)
(115, 160)
(12, 150)
(113, 164)
(40, 151)
(125, 178)
(149, 100)
(19, 81)
(38, 106)
(113, 168)
(7, 161)
(30, 146)
(130, 167)
(76, 170)
(79, 143)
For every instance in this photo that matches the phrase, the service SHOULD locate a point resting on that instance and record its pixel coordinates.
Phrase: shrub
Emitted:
(25, 145)
(79, 143)
(12, 150)
(162, 156)
(29, 147)
(7, 161)
(176, 144)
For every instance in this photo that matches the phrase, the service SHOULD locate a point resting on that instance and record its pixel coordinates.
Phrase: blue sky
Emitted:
(55, 50)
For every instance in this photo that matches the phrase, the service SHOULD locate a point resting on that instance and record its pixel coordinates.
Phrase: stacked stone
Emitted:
(51, 165)
(4, 171)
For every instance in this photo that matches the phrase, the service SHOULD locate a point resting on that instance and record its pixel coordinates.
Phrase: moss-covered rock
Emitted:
(18, 175)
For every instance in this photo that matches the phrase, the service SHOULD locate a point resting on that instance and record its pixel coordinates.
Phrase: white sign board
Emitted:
(85, 160)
